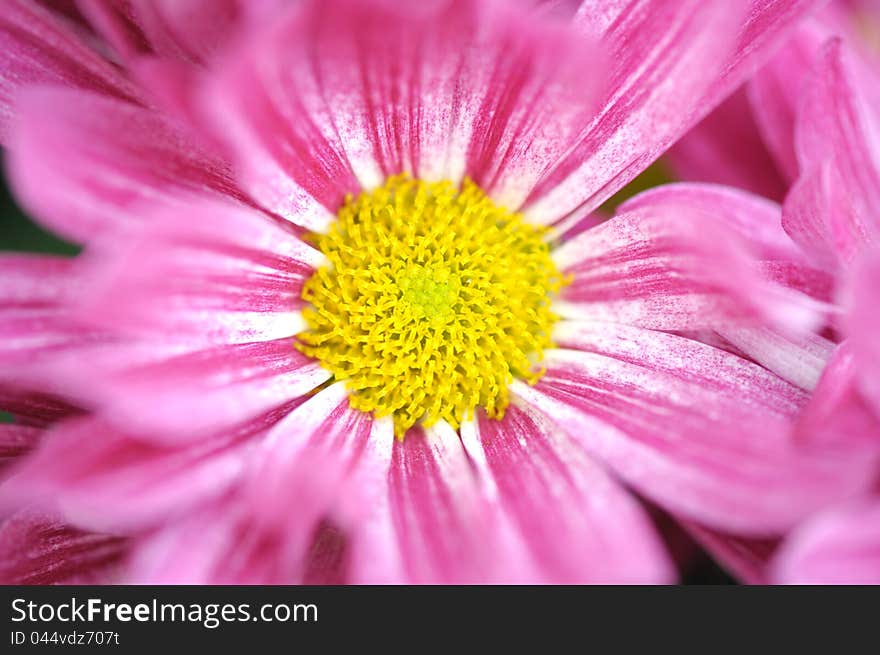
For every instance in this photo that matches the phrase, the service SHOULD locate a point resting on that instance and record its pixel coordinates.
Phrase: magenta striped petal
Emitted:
(105, 479)
(726, 148)
(701, 432)
(674, 62)
(578, 524)
(39, 550)
(684, 258)
(446, 529)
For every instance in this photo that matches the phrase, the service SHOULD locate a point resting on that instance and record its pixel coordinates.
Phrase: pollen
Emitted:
(433, 300)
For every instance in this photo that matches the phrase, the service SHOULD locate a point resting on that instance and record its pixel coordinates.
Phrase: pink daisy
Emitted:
(406, 250)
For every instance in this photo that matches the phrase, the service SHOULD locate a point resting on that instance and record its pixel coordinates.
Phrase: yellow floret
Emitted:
(434, 299)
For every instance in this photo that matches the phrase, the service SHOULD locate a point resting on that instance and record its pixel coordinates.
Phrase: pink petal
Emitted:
(674, 62)
(837, 547)
(227, 274)
(862, 322)
(726, 148)
(191, 30)
(39, 550)
(83, 164)
(698, 430)
(776, 90)
(311, 454)
(579, 525)
(686, 257)
(203, 392)
(447, 529)
(798, 359)
(343, 94)
(324, 457)
(755, 218)
(807, 210)
(837, 412)
(107, 480)
(832, 209)
(38, 48)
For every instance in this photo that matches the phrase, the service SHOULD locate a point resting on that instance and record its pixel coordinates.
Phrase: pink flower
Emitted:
(231, 456)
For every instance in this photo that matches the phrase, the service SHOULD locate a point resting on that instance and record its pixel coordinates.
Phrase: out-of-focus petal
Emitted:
(82, 163)
(776, 90)
(192, 396)
(745, 559)
(35, 326)
(37, 48)
(840, 546)
(225, 274)
(832, 210)
(674, 62)
(726, 148)
(800, 358)
(838, 412)
(686, 257)
(105, 479)
(316, 465)
(31, 407)
(39, 550)
(17, 440)
(190, 30)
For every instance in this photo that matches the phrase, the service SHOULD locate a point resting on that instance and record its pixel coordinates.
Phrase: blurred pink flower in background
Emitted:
(812, 123)
(190, 149)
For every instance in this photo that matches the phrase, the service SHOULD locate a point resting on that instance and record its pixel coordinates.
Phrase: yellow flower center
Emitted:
(434, 299)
